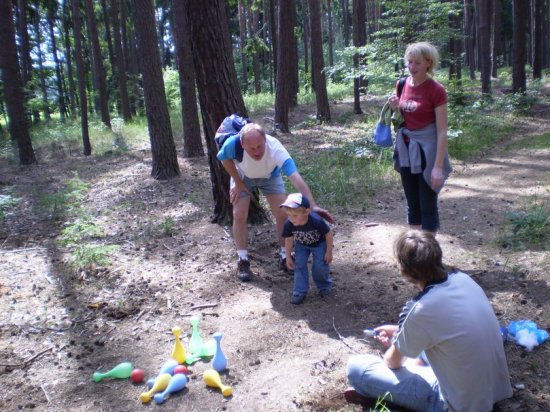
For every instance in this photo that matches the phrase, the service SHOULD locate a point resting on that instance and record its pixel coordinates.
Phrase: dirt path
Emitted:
(58, 327)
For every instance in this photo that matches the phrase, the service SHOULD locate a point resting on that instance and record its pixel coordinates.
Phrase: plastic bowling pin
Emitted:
(195, 342)
(212, 379)
(176, 384)
(178, 353)
(120, 371)
(161, 382)
(219, 363)
(168, 367)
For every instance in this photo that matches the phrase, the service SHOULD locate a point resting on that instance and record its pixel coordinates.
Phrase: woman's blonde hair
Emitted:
(425, 50)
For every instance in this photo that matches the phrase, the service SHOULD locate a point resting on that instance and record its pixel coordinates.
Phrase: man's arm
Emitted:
(301, 186)
(229, 166)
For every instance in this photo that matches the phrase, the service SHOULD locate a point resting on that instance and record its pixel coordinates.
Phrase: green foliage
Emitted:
(172, 87)
(81, 229)
(65, 202)
(7, 204)
(540, 142)
(167, 226)
(528, 228)
(346, 177)
(89, 256)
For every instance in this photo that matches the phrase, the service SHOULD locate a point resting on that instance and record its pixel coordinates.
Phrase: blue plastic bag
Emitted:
(382, 133)
(530, 326)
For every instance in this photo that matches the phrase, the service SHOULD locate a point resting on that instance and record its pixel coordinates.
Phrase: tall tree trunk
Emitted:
(293, 75)
(242, 44)
(98, 67)
(305, 35)
(519, 50)
(120, 64)
(469, 30)
(537, 10)
(497, 42)
(484, 31)
(285, 44)
(60, 91)
(253, 17)
(330, 34)
(41, 71)
(68, 57)
(345, 18)
(192, 145)
(213, 58)
(77, 33)
(273, 34)
(13, 87)
(455, 49)
(107, 32)
(359, 39)
(163, 149)
(26, 61)
(317, 61)
(129, 60)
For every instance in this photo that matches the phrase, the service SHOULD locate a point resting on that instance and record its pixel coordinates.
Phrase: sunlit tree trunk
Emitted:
(359, 39)
(13, 87)
(519, 49)
(483, 16)
(120, 61)
(317, 61)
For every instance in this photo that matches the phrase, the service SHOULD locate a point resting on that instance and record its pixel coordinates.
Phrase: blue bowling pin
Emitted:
(219, 363)
(176, 384)
(168, 367)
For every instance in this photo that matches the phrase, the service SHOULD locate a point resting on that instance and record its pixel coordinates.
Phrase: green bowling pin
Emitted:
(120, 371)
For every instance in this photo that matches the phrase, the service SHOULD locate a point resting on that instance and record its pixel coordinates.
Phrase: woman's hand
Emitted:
(437, 178)
(393, 100)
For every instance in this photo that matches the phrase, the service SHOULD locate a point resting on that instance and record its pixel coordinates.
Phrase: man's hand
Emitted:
(323, 213)
(236, 191)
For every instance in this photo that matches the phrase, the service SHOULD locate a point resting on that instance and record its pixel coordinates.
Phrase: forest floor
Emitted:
(57, 327)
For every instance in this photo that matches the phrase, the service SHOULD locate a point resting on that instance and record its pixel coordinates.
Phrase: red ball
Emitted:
(137, 375)
(181, 369)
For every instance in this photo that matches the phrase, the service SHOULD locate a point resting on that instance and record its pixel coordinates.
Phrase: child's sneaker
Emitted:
(297, 298)
(243, 270)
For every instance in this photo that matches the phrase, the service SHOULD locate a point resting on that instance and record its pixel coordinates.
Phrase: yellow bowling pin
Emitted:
(161, 382)
(178, 353)
(212, 379)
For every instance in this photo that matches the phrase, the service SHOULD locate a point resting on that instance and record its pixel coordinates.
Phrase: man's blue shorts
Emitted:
(270, 186)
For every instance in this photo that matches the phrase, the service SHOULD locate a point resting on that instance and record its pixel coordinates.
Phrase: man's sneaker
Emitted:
(297, 298)
(243, 270)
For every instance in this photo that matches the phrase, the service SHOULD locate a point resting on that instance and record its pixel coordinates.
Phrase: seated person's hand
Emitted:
(385, 334)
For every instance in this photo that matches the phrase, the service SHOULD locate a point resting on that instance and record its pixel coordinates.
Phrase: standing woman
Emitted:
(421, 155)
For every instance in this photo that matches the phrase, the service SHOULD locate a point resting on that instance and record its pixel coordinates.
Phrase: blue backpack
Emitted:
(230, 127)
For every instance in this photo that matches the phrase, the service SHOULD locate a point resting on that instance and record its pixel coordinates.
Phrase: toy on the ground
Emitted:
(137, 375)
(219, 363)
(161, 382)
(178, 353)
(370, 333)
(197, 347)
(120, 371)
(213, 379)
(167, 367)
(181, 369)
(176, 384)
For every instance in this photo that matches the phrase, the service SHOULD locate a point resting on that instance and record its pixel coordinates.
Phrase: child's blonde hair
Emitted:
(425, 50)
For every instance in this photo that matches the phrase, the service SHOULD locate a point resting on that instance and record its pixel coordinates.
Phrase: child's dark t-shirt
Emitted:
(310, 234)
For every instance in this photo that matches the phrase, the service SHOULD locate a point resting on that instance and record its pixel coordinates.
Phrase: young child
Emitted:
(307, 233)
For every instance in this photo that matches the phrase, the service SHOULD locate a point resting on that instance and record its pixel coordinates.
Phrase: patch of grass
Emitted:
(79, 230)
(66, 202)
(167, 226)
(89, 256)
(346, 177)
(528, 228)
(534, 142)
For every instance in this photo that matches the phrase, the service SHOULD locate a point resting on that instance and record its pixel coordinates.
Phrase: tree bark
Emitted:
(98, 66)
(163, 149)
(345, 18)
(305, 36)
(273, 33)
(108, 38)
(192, 145)
(68, 57)
(242, 44)
(359, 39)
(77, 33)
(330, 34)
(120, 64)
(519, 49)
(318, 64)
(213, 58)
(293, 75)
(41, 73)
(26, 62)
(536, 37)
(60, 92)
(484, 32)
(497, 42)
(282, 85)
(13, 87)
(469, 30)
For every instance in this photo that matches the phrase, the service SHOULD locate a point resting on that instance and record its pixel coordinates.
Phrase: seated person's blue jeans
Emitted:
(320, 270)
(414, 387)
